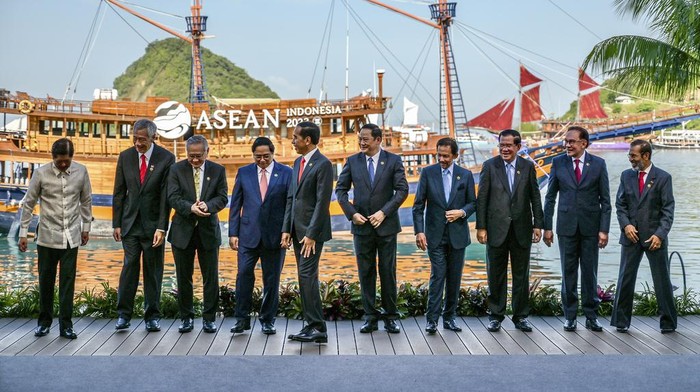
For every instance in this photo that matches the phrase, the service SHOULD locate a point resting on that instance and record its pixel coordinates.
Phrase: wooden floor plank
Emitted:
(683, 335)
(223, 337)
(257, 341)
(135, 338)
(639, 327)
(399, 342)
(604, 341)
(468, 339)
(205, 339)
(275, 342)
(169, 339)
(553, 335)
(522, 339)
(572, 337)
(14, 331)
(504, 339)
(87, 335)
(453, 342)
(151, 340)
(346, 338)
(364, 342)
(97, 340)
(187, 339)
(415, 335)
(38, 345)
(118, 338)
(4, 322)
(636, 338)
(291, 347)
(331, 348)
(487, 339)
(382, 342)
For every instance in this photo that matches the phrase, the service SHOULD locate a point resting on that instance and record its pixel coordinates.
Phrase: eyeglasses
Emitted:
(262, 156)
(506, 145)
(195, 156)
(571, 141)
(139, 139)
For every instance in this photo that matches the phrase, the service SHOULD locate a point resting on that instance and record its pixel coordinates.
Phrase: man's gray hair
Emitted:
(197, 139)
(148, 125)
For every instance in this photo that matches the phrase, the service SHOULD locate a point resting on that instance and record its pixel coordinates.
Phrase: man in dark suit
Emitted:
(255, 231)
(508, 220)
(140, 215)
(307, 224)
(645, 207)
(379, 187)
(448, 191)
(197, 191)
(583, 223)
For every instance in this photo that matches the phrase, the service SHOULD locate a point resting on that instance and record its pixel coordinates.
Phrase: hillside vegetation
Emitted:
(164, 70)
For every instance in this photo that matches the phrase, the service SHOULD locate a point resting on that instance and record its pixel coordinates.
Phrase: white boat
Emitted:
(681, 139)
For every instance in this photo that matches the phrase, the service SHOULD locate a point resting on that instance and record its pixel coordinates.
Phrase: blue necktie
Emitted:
(511, 178)
(370, 168)
(446, 184)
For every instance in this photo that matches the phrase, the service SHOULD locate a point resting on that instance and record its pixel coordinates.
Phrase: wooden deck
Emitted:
(97, 337)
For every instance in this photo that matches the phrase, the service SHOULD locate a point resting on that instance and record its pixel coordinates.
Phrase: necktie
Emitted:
(446, 184)
(370, 168)
(263, 184)
(196, 182)
(641, 182)
(577, 170)
(511, 177)
(142, 169)
(301, 169)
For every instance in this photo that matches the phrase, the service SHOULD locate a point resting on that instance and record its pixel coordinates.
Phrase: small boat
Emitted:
(679, 139)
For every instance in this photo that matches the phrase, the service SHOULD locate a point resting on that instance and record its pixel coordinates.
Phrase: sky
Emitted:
(278, 42)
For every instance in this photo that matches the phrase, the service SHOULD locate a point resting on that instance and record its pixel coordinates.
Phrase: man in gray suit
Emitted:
(448, 192)
(509, 198)
(307, 224)
(581, 181)
(645, 209)
(379, 187)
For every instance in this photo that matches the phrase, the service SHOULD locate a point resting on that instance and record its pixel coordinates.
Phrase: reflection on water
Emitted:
(101, 260)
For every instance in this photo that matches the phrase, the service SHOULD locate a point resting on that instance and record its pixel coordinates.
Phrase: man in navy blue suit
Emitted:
(379, 187)
(446, 195)
(255, 230)
(583, 223)
(645, 207)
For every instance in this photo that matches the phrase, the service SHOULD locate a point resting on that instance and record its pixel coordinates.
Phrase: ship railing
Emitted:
(48, 104)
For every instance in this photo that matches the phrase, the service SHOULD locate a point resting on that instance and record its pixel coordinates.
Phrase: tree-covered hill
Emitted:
(164, 70)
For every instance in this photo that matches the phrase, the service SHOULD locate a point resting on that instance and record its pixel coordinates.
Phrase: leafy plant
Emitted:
(473, 301)
(607, 297)
(341, 300)
(412, 300)
(290, 302)
(687, 303)
(645, 303)
(545, 300)
(227, 301)
(102, 304)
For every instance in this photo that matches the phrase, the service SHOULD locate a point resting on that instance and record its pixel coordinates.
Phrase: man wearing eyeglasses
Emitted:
(140, 215)
(197, 191)
(508, 220)
(583, 222)
(255, 221)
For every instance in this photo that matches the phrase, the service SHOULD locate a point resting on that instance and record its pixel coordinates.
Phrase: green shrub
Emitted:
(412, 300)
(473, 301)
(545, 300)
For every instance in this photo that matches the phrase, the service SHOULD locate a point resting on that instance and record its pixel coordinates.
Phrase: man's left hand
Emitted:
(453, 215)
(158, 238)
(84, 238)
(308, 247)
(602, 240)
(654, 242)
(536, 235)
(377, 218)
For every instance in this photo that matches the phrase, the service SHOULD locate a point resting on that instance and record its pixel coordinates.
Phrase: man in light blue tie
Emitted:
(440, 213)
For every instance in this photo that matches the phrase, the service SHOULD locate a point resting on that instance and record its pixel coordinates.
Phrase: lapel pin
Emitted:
(459, 178)
(517, 172)
(275, 174)
(208, 178)
(311, 164)
(649, 185)
(382, 162)
(151, 168)
(588, 164)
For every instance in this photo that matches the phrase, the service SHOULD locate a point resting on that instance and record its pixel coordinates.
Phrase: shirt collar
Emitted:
(268, 169)
(450, 169)
(506, 163)
(200, 168)
(648, 169)
(57, 172)
(308, 155)
(375, 157)
(582, 158)
(148, 153)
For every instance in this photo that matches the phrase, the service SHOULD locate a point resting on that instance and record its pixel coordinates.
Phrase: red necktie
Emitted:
(142, 170)
(641, 182)
(263, 184)
(301, 169)
(577, 170)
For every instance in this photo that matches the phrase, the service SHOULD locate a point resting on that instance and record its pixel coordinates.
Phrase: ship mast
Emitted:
(451, 105)
(196, 26)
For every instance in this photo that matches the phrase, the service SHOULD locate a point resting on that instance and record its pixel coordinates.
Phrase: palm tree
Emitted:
(666, 66)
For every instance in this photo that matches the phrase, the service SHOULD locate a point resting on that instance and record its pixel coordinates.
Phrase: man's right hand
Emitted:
(548, 237)
(233, 242)
(286, 242)
(631, 233)
(117, 234)
(197, 210)
(22, 243)
(481, 236)
(358, 219)
(421, 241)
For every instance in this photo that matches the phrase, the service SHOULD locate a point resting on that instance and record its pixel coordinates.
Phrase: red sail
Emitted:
(527, 78)
(589, 103)
(505, 120)
(487, 118)
(530, 109)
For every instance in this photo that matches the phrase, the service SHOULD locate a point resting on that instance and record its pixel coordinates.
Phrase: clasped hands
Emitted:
(375, 219)
(200, 209)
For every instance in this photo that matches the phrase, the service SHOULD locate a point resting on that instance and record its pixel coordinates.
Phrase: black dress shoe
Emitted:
(494, 326)
(391, 326)
(241, 325)
(122, 323)
(431, 327)
(622, 329)
(208, 326)
(41, 331)
(451, 325)
(570, 325)
(68, 333)
(152, 325)
(310, 335)
(186, 326)
(369, 326)
(268, 328)
(523, 325)
(594, 325)
(667, 330)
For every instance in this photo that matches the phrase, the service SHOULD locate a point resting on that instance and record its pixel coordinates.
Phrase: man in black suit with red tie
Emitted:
(140, 215)
(197, 191)
(645, 208)
(379, 187)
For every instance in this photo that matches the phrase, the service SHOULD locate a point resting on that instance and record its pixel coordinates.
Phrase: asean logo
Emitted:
(172, 119)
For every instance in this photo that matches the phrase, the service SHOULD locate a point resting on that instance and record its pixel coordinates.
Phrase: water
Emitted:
(101, 260)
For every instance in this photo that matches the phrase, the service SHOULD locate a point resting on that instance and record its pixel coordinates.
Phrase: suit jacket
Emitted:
(497, 207)
(388, 191)
(431, 193)
(307, 213)
(148, 201)
(652, 212)
(584, 205)
(252, 219)
(181, 195)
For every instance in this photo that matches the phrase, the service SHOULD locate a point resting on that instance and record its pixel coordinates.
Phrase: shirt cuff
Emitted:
(23, 232)
(161, 230)
(86, 227)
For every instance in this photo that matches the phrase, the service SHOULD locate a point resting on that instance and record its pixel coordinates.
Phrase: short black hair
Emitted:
(263, 141)
(582, 133)
(510, 132)
(644, 146)
(376, 131)
(309, 129)
(63, 146)
(448, 141)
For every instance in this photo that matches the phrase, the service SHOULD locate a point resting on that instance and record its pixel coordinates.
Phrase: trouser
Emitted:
(271, 261)
(184, 268)
(369, 248)
(446, 265)
(49, 259)
(307, 270)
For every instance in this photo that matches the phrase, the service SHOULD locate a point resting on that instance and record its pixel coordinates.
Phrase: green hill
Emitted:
(165, 71)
